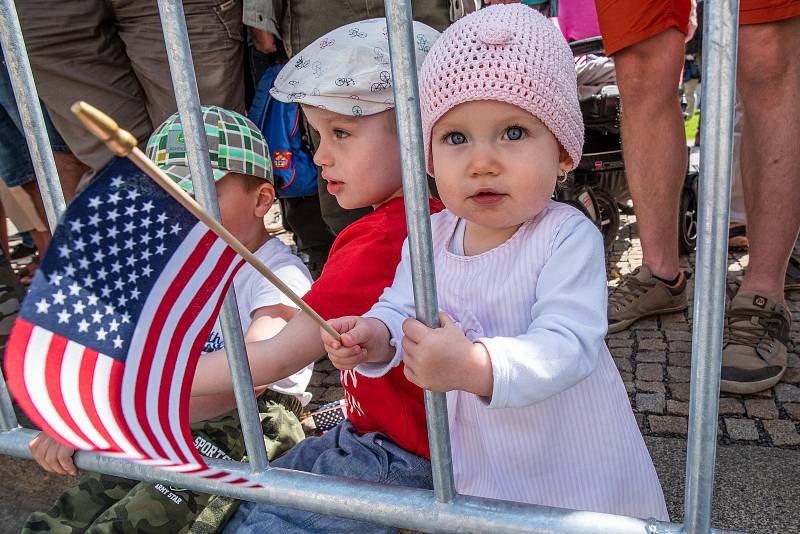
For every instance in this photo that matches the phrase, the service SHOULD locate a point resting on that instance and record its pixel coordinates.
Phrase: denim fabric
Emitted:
(15, 161)
(340, 452)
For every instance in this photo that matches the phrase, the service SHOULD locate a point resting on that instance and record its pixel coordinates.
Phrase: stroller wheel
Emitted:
(608, 216)
(687, 218)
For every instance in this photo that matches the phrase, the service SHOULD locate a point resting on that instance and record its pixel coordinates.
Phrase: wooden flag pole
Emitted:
(123, 144)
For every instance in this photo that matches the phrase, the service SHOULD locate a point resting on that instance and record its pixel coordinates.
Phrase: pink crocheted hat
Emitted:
(509, 53)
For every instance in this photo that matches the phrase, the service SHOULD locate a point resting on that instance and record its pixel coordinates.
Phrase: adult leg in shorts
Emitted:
(112, 55)
(646, 39)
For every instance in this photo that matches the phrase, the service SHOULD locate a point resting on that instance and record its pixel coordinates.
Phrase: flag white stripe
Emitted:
(142, 330)
(70, 380)
(36, 355)
(100, 388)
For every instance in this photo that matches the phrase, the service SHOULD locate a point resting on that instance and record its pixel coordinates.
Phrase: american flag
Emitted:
(104, 350)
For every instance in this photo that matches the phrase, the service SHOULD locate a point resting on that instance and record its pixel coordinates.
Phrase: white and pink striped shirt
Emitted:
(558, 430)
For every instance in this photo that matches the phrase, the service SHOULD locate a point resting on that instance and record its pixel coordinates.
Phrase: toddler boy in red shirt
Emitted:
(343, 82)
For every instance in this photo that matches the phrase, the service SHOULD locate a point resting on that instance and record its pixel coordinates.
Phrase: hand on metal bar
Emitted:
(123, 144)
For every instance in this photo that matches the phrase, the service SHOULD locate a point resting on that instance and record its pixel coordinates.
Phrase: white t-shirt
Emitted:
(253, 291)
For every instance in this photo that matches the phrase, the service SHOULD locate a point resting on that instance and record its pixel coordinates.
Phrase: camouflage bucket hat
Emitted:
(235, 144)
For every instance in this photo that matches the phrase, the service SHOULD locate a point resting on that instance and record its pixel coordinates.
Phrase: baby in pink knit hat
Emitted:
(538, 412)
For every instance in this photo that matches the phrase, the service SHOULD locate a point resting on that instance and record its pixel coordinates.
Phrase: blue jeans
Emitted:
(340, 452)
(16, 167)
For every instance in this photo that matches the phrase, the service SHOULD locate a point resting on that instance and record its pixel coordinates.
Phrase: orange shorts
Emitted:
(626, 22)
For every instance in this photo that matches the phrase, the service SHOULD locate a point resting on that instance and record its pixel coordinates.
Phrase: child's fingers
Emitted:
(414, 330)
(64, 456)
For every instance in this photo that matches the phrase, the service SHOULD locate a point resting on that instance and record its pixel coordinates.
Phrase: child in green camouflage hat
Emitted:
(243, 179)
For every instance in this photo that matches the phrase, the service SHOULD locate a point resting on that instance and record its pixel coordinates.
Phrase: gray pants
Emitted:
(111, 54)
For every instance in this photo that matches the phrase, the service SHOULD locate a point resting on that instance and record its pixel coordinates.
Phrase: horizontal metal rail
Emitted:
(379, 503)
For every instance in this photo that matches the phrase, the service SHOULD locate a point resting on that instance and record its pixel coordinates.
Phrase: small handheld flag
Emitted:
(104, 349)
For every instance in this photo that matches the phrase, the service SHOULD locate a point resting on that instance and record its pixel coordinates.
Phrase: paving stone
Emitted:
(678, 335)
(623, 364)
(629, 387)
(332, 394)
(680, 359)
(614, 343)
(680, 346)
(316, 378)
(650, 356)
(626, 377)
(791, 375)
(677, 407)
(794, 361)
(324, 365)
(678, 374)
(668, 424)
(650, 402)
(645, 324)
(793, 409)
(332, 379)
(679, 391)
(730, 406)
(316, 393)
(782, 432)
(787, 393)
(656, 344)
(648, 334)
(650, 387)
(741, 429)
(761, 408)
(621, 352)
(649, 371)
(640, 421)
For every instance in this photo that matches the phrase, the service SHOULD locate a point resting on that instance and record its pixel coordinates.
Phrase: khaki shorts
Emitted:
(111, 54)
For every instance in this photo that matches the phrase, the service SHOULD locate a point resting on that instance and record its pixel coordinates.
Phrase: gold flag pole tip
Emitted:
(119, 141)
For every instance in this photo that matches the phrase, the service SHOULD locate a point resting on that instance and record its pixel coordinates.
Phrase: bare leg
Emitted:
(654, 143)
(769, 84)
(40, 239)
(70, 169)
(4, 232)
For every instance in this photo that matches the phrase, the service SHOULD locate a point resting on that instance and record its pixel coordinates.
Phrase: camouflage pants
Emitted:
(104, 504)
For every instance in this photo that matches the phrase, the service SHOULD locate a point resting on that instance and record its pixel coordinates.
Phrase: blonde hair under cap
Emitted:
(347, 70)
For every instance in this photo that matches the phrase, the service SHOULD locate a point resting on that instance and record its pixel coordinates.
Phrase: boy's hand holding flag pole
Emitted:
(123, 144)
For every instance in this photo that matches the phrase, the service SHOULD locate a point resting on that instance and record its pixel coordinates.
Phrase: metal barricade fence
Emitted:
(443, 510)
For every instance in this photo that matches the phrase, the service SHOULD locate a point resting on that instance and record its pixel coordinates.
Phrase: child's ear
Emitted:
(564, 161)
(265, 197)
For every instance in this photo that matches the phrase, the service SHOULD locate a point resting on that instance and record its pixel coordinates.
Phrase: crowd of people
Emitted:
(521, 356)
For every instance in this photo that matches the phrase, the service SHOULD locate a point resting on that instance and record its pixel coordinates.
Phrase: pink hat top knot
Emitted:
(508, 53)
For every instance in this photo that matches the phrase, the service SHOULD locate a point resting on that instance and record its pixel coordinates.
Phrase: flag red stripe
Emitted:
(85, 386)
(188, 377)
(185, 322)
(156, 326)
(15, 375)
(54, 364)
(115, 400)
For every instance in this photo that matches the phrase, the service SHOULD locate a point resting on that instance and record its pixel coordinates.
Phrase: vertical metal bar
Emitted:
(8, 419)
(184, 82)
(30, 111)
(415, 190)
(716, 149)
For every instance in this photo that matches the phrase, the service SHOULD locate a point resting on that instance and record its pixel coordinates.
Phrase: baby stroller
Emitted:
(598, 186)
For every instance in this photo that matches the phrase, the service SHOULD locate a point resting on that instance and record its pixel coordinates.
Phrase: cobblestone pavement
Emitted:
(654, 356)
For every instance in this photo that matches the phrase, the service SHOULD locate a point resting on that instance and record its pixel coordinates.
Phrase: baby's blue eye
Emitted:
(340, 134)
(455, 138)
(515, 133)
